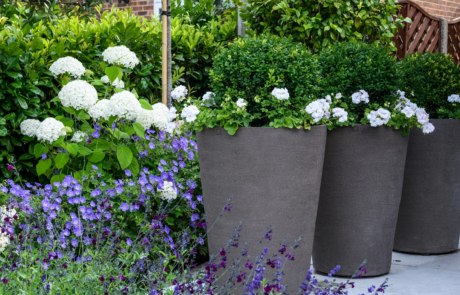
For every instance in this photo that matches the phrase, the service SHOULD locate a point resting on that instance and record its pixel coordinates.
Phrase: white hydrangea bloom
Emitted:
(146, 118)
(408, 111)
(161, 116)
(78, 136)
(97, 111)
(280, 93)
(179, 93)
(454, 98)
(208, 99)
(361, 96)
(189, 113)
(338, 95)
(29, 127)
(240, 103)
(422, 116)
(428, 128)
(340, 113)
(117, 83)
(168, 193)
(123, 105)
(78, 94)
(68, 65)
(4, 242)
(50, 130)
(120, 55)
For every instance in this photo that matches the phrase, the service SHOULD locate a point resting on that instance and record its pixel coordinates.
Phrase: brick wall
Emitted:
(448, 9)
(140, 7)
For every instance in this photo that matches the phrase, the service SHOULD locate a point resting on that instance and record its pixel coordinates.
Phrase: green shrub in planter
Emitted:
(250, 68)
(428, 80)
(350, 67)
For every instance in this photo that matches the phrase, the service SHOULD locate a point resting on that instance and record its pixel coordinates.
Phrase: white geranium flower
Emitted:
(317, 114)
(408, 111)
(168, 192)
(208, 99)
(123, 105)
(422, 116)
(161, 116)
(172, 114)
(401, 94)
(280, 93)
(29, 127)
(50, 130)
(189, 113)
(240, 103)
(453, 98)
(4, 242)
(79, 136)
(68, 65)
(120, 55)
(328, 98)
(428, 128)
(340, 113)
(385, 115)
(379, 117)
(79, 95)
(311, 107)
(338, 95)
(324, 104)
(361, 96)
(170, 127)
(117, 83)
(179, 93)
(97, 111)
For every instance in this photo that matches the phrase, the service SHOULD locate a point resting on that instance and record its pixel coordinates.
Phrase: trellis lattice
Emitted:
(453, 40)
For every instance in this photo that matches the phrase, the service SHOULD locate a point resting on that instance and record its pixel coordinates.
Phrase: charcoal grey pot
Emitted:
(359, 200)
(429, 215)
(273, 177)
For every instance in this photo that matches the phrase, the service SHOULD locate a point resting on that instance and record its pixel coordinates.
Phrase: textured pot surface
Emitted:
(359, 201)
(429, 215)
(273, 177)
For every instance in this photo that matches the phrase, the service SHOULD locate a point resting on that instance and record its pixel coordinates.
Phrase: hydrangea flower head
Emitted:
(123, 105)
(68, 65)
(168, 192)
(454, 98)
(78, 94)
(50, 130)
(29, 127)
(120, 55)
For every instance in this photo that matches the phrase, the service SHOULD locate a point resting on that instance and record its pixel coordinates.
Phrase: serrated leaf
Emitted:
(72, 148)
(97, 156)
(113, 73)
(39, 150)
(145, 104)
(100, 144)
(43, 166)
(134, 167)
(124, 156)
(139, 129)
(61, 160)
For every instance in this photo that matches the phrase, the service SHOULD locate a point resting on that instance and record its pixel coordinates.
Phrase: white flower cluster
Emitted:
(168, 192)
(280, 93)
(174, 126)
(340, 113)
(241, 103)
(29, 127)
(78, 94)
(189, 113)
(4, 213)
(117, 83)
(78, 136)
(161, 116)
(319, 109)
(361, 96)
(68, 65)
(379, 117)
(409, 109)
(123, 105)
(454, 98)
(4, 242)
(97, 111)
(208, 99)
(179, 93)
(50, 130)
(120, 55)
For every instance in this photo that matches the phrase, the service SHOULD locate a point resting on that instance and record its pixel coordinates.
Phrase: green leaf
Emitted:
(231, 128)
(83, 115)
(22, 102)
(124, 156)
(43, 166)
(72, 148)
(61, 160)
(26, 157)
(113, 73)
(134, 167)
(145, 104)
(85, 127)
(66, 121)
(100, 144)
(39, 150)
(57, 178)
(69, 110)
(84, 151)
(97, 156)
(119, 134)
(139, 129)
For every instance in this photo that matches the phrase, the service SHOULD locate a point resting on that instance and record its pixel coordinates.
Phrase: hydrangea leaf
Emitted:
(100, 144)
(139, 130)
(145, 104)
(39, 150)
(97, 156)
(72, 148)
(61, 160)
(134, 167)
(124, 156)
(43, 166)
(113, 73)
(66, 121)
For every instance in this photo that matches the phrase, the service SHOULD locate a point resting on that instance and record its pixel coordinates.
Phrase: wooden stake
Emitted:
(164, 58)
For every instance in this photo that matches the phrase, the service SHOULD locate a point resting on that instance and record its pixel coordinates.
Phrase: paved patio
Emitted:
(416, 274)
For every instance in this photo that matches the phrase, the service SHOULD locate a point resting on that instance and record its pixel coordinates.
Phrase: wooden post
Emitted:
(165, 16)
(169, 86)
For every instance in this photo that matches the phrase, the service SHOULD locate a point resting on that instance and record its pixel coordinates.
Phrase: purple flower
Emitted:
(10, 168)
(44, 156)
(160, 168)
(151, 145)
(128, 173)
(182, 164)
(96, 134)
(97, 127)
(94, 167)
(74, 242)
(5, 280)
(128, 241)
(124, 207)
(195, 216)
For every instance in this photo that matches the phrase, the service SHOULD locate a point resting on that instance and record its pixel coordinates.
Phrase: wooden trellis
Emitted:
(453, 41)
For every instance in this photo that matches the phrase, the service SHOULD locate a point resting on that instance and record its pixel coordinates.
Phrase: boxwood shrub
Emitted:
(250, 68)
(428, 79)
(349, 67)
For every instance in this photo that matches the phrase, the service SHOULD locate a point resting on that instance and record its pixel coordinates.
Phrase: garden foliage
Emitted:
(349, 67)
(318, 23)
(27, 49)
(429, 80)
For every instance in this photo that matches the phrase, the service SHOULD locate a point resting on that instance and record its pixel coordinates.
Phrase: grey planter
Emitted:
(429, 215)
(273, 177)
(359, 201)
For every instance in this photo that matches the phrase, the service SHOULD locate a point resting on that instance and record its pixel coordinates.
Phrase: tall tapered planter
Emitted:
(273, 177)
(359, 201)
(429, 215)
